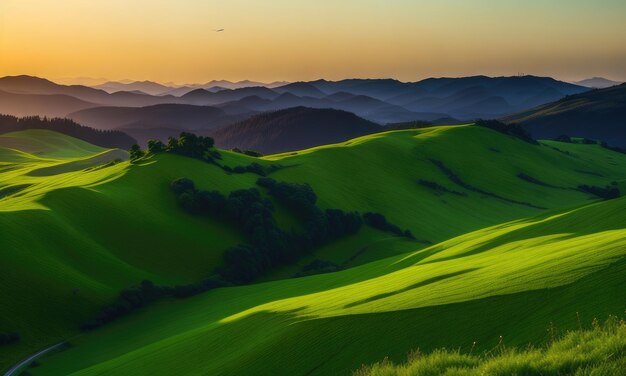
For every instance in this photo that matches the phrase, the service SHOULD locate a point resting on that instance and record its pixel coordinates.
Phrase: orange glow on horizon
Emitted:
(286, 40)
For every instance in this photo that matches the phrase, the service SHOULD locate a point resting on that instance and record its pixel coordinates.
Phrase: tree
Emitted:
(135, 152)
(155, 146)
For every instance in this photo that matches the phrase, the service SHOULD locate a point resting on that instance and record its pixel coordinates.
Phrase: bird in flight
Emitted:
(218, 30)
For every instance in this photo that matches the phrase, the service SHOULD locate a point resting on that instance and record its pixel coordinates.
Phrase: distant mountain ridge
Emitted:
(597, 83)
(597, 114)
(379, 100)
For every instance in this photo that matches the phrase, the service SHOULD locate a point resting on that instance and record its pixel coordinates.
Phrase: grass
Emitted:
(600, 350)
(510, 280)
(100, 229)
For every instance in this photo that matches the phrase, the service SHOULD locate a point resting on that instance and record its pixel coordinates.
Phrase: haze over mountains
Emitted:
(597, 83)
(154, 88)
(145, 110)
(380, 100)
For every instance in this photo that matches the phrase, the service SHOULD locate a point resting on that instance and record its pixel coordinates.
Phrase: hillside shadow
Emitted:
(409, 288)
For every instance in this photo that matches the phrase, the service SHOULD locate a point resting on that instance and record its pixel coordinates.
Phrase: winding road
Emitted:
(14, 371)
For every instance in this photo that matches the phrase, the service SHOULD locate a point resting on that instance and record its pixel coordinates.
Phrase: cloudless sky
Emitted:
(173, 40)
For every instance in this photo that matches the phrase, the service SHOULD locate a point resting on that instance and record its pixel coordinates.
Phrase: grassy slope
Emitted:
(600, 350)
(510, 280)
(48, 144)
(98, 230)
(380, 173)
(84, 217)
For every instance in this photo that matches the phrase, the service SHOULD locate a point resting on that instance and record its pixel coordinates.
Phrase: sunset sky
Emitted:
(270, 40)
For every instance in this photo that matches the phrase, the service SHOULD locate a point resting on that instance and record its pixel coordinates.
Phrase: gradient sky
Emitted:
(173, 40)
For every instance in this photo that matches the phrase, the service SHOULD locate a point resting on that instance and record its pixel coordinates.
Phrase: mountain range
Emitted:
(379, 100)
(546, 107)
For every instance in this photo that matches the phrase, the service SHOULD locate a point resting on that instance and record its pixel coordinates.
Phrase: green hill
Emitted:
(509, 280)
(76, 231)
(595, 114)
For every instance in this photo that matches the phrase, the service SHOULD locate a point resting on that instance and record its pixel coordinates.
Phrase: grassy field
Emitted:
(510, 280)
(74, 233)
(600, 350)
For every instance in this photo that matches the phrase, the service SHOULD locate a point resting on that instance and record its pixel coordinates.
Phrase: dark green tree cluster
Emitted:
(268, 246)
(254, 168)
(509, 129)
(190, 145)
(378, 221)
(9, 339)
(320, 226)
(606, 193)
(588, 141)
(135, 152)
(147, 292)
(187, 144)
(317, 266)
(250, 153)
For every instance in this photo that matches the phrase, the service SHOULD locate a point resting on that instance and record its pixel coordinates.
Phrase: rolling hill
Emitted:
(509, 281)
(597, 114)
(383, 101)
(107, 139)
(135, 230)
(293, 129)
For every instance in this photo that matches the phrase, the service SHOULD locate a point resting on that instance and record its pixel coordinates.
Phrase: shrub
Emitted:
(378, 221)
(317, 266)
(156, 146)
(135, 152)
(183, 185)
(250, 153)
(136, 297)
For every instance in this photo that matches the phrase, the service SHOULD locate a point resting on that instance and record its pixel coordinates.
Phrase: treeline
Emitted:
(9, 339)
(187, 144)
(147, 292)
(200, 147)
(379, 221)
(267, 245)
(588, 141)
(250, 153)
(254, 168)
(607, 193)
(509, 129)
(321, 227)
(103, 138)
